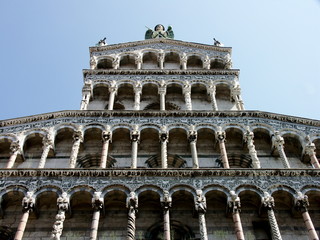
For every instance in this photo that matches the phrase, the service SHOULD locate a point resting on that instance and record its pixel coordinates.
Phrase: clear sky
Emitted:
(44, 47)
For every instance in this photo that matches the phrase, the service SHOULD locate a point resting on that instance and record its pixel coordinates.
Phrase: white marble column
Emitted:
(97, 205)
(63, 205)
(310, 150)
(93, 62)
(206, 62)
(302, 204)
(161, 56)
(252, 150)
(221, 137)
(28, 204)
(268, 203)
(201, 208)
(77, 139)
(137, 95)
(162, 91)
(166, 203)
(192, 138)
(132, 205)
(212, 93)
(116, 62)
(15, 150)
(234, 206)
(86, 94)
(278, 144)
(113, 91)
(164, 138)
(183, 61)
(138, 60)
(236, 95)
(135, 137)
(187, 96)
(47, 145)
(106, 139)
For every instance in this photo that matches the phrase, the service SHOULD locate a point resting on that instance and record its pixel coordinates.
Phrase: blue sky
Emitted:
(45, 45)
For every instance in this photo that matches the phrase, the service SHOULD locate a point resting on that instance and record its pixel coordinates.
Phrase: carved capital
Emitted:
(15, 147)
(268, 201)
(138, 88)
(47, 141)
(301, 202)
(206, 62)
(63, 202)
(310, 149)
(200, 203)
(106, 136)
(116, 62)
(93, 63)
(97, 201)
(166, 200)
(164, 136)
(28, 202)
(138, 58)
(132, 202)
(186, 88)
(161, 56)
(234, 202)
(183, 58)
(77, 136)
(135, 135)
(192, 136)
(221, 136)
(277, 140)
(162, 90)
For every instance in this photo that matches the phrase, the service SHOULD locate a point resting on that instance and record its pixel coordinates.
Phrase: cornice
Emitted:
(164, 41)
(159, 114)
(203, 172)
(86, 72)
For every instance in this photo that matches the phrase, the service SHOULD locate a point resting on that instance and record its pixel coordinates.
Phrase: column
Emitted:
(192, 138)
(310, 150)
(234, 206)
(138, 60)
(135, 137)
(201, 208)
(63, 206)
(47, 145)
(301, 203)
(97, 204)
(183, 61)
(132, 205)
(268, 203)
(236, 95)
(113, 91)
(162, 91)
(15, 150)
(106, 139)
(278, 142)
(137, 94)
(116, 62)
(161, 58)
(27, 207)
(86, 94)
(187, 96)
(252, 150)
(212, 93)
(206, 62)
(77, 139)
(221, 136)
(164, 138)
(166, 203)
(93, 63)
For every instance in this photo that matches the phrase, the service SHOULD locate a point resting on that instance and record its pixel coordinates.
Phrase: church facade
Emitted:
(162, 148)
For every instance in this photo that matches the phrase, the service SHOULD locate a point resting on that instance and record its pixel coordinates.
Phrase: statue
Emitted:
(201, 203)
(217, 43)
(102, 42)
(159, 32)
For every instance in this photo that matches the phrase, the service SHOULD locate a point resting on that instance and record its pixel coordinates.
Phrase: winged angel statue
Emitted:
(159, 32)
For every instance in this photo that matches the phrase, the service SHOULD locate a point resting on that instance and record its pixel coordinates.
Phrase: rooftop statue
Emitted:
(159, 32)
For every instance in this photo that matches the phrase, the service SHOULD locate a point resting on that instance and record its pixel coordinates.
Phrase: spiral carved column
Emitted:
(77, 139)
(212, 94)
(278, 142)
(201, 208)
(252, 150)
(187, 96)
(63, 206)
(47, 145)
(15, 150)
(132, 205)
(310, 150)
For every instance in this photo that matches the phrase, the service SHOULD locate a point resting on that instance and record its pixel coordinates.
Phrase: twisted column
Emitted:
(15, 150)
(116, 62)
(164, 137)
(252, 150)
(183, 61)
(166, 203)
(47, 145)
(28, 203)
(236, 95)
(162, 91)
(310, 150)
(135, 137)
(97, 204)
(201, 208)
(137, 94)
(86, 94)
(268, 203)
(132, 205)
(212, 92)
(221, 136)
(301, 204)
(234, 206)
(106, 138)
(161, 58)
(278, 142)
(113, 90)
(63, 206)
(187, 96)
(192, 138)
(77, 139)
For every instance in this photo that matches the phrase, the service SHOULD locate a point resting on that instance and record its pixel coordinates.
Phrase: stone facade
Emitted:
(162, 148)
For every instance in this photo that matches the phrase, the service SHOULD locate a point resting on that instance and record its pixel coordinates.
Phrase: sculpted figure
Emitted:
(132, 202)
(201, 203)
(63, 202)
(159, 32)
(28, 202)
